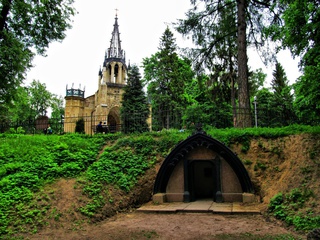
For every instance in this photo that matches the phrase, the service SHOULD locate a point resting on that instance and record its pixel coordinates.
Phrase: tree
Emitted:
(282, 95)
(217, 40)
(40, 98)
(167, 76)
(307, 96)
(31, 102)
(298, 31)
(27, 27)
(80, 126)
(207, 103)
(57, 113)
(19, 109)
(57, 107)
(214, 25)
(267, 114)
(135, 109)
(244, 116)
(256, 81)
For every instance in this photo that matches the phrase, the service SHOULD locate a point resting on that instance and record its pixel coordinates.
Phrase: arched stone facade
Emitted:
(201, 167)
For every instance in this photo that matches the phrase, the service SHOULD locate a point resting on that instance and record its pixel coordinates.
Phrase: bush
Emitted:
(80, 126)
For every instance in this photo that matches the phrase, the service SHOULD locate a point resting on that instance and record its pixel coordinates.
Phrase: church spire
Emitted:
(115, 50)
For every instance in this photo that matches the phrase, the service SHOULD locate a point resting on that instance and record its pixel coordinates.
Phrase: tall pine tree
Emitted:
(135, 110)
(282, 95)
(167, 76)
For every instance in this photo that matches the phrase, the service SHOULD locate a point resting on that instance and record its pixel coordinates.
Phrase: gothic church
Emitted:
(104, 105)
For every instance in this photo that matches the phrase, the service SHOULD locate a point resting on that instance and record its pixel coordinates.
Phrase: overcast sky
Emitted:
(141, 23)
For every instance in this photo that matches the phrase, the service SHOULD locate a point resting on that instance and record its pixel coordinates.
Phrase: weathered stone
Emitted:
(248, 197)
(159, 198)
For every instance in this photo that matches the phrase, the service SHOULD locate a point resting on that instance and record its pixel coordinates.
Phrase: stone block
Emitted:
(159, 198)
(174, 197)
(248, 197)
(232, 197)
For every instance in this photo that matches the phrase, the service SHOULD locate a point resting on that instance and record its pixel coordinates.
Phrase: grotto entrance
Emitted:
(201, 167)
(202, 180)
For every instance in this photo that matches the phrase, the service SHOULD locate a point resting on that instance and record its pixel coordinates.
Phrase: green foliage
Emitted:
(286, 208)
(221, 40)
(28, 162)
(260, 165)
(26, 27)
(39, 98)
(19, 130)
(209, 114)
(33, 101)
(91, 208)
(307, 96)
(245, 144)
(134, 109)
(247, 162)
(119, 168)
(79, 126)
(233, 135)
(256, 79)
(167, 76)
(297, 32)
(282, 95)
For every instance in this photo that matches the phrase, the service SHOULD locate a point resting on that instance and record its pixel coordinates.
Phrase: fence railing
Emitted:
(159, 120)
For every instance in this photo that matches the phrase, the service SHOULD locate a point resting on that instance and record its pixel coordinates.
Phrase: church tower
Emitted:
(104, 105)
(111, 81)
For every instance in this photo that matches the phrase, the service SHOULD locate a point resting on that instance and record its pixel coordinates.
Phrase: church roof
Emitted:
(115, 52)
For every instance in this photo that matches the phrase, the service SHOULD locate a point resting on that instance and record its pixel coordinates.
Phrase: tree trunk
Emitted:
(232, 76)
(233, 102)
(4, 14)
(244, 113)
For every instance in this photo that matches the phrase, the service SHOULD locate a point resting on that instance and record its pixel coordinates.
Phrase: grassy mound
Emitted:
(74, 179)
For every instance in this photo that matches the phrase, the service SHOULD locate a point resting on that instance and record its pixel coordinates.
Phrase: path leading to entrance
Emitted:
(202, 207)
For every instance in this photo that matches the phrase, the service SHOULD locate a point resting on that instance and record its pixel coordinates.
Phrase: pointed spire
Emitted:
(115, 50)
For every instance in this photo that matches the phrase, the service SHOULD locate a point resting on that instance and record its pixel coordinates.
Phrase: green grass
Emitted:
(29, 162)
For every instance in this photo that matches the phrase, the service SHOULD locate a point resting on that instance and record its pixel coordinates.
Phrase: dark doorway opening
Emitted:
(203, 180)
(112, 123)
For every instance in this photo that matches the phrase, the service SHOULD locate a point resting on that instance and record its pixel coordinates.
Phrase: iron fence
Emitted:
(159, 120)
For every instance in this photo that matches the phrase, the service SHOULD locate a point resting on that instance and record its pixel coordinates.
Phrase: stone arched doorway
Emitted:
(201, 167)
(114, 119)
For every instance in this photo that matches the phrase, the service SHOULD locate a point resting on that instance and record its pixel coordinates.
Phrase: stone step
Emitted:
(201, 207)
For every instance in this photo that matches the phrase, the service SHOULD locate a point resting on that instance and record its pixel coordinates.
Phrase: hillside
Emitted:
(283, 164)
(276, 164)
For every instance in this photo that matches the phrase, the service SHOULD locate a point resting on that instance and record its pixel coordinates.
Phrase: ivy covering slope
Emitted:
(29, 162)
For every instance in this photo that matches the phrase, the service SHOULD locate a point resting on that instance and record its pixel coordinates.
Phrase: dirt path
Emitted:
(137, 225)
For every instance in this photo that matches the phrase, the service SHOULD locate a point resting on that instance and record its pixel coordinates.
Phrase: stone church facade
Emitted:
(105, 104)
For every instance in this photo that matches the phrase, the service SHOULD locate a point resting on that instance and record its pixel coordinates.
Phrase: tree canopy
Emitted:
(222, 29)
(298, 31)
(26, 28)
(32, 101)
